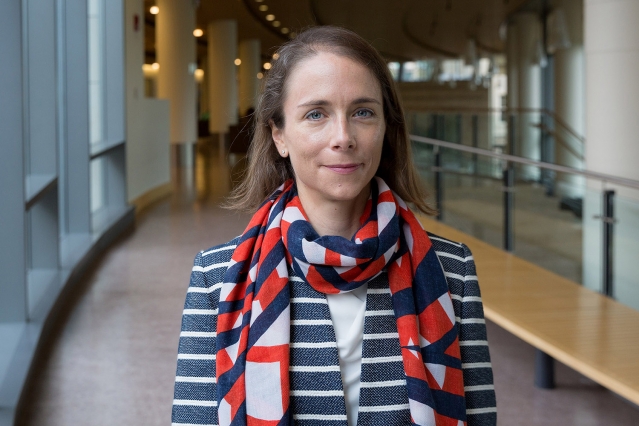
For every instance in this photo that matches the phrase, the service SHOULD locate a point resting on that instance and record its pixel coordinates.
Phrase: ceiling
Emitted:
(400, 29)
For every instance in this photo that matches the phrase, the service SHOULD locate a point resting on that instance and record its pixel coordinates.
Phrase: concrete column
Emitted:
(529, 35)
(611, 40)
(512, 65)
(569, 99)
(250, 55)
(612, 92)
(176, 56)
(222, 80)
(204, 88)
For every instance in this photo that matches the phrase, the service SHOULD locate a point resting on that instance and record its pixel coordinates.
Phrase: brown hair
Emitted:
(267, 170)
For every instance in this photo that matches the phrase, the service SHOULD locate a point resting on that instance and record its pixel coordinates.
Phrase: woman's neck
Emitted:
(340, 218)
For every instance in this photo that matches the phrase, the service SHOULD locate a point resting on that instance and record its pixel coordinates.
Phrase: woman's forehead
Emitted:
(329, 76)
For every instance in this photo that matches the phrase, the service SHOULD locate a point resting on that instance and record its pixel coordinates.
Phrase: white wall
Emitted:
(612, 92)
(148, 158)
(611, 32)
(175, 48)
(147, 129)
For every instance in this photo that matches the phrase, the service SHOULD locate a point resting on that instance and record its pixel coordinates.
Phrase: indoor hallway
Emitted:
(113, 360)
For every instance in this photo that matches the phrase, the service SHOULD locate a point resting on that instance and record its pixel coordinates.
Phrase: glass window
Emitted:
(394, 69)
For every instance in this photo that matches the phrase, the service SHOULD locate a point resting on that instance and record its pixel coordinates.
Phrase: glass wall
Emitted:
(590, 237)
(62, 171)
(478, 71)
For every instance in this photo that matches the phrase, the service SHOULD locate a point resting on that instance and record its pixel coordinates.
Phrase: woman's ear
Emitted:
(276, 134)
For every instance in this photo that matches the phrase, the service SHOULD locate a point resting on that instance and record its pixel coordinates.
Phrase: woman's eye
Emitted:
(314, 115)
(364, 113)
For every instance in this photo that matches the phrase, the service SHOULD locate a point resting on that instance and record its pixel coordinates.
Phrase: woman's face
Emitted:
(333, 128)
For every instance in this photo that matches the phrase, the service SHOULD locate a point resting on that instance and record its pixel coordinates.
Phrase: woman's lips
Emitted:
(343, 169)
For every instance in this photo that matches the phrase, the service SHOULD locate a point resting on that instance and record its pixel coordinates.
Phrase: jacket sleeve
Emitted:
(477, 370)
(195, 400)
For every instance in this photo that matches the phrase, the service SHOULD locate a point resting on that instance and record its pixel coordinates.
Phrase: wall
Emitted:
(147, 127)
(611, 33)
(148, 162)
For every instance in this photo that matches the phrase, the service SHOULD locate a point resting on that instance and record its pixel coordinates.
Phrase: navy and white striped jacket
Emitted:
(317, 396)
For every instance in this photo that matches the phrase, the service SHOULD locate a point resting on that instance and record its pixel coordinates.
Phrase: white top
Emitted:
(347, 314)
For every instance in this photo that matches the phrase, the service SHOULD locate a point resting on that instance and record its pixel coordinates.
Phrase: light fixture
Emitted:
(270, 17)
(259, 75)
(276, 56)
(263, 8)
(293, 35)
(267, 65)
(198, 32)
(199, 75)
(154, 10)
(155, 66)
(238, 61)
(276, 24)
(284, 30)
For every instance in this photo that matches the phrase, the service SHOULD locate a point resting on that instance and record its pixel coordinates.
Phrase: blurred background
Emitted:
(124, 124)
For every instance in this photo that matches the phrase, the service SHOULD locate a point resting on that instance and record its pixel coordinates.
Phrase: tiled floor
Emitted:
(113, 361)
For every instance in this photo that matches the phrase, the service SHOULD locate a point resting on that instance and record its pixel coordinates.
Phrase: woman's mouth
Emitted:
(343, 169)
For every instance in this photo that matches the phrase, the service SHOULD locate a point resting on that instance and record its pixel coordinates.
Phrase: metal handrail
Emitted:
(544, 370)
(630, 183)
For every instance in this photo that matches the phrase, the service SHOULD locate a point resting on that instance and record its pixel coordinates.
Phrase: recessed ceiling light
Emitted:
(267, 65)
(263, 8)
(154, 10)
(270, 17)
(260, 75)
(198, 32)
(238, 61)
(284, 30)
(155, 66)
(276, 56)
(276, 24)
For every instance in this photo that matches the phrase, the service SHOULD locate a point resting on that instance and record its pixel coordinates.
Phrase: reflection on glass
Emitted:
(547, 229)
(547, 232)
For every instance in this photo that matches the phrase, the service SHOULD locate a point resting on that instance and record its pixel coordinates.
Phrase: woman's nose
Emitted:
(342, 137)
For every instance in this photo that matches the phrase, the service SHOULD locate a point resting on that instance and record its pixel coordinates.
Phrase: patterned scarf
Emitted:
(253, 326)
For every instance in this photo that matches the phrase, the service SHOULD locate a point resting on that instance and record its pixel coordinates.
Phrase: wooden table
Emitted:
(585, 330)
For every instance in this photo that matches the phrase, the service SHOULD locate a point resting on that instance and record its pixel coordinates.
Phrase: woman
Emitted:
(334, 306)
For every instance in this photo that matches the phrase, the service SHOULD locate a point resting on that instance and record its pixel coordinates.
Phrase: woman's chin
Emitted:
(344, 192)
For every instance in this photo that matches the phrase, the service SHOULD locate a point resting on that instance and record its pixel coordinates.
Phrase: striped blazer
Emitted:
(317, 396)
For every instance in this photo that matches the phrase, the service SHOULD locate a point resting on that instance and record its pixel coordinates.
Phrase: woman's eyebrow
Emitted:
(318, 102)
(321, 102)
(366, 101)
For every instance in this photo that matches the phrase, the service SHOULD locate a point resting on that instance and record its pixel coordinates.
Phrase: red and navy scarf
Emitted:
(253, 325)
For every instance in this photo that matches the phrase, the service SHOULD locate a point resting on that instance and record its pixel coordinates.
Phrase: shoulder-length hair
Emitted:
(267, 170)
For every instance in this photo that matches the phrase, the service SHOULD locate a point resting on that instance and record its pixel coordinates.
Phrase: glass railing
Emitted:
(537, 135)
(579, 224)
